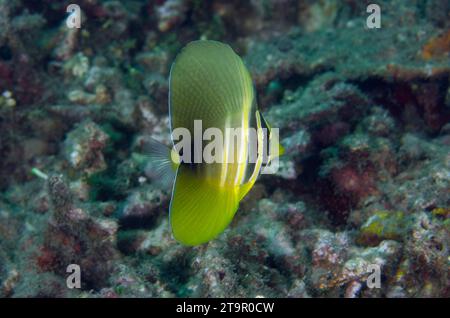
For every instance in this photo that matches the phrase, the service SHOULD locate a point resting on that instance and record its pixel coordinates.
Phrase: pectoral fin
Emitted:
(160, 162)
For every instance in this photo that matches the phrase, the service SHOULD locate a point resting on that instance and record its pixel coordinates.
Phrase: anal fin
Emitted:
(199, 210)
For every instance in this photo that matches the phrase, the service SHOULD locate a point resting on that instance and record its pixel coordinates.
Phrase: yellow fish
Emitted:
(209, 82)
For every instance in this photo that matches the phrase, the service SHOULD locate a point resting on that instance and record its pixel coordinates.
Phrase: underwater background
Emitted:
(364, 117)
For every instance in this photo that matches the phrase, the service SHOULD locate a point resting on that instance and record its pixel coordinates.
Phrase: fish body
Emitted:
(210, 84)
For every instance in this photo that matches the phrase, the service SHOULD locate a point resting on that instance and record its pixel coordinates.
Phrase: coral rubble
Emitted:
(363, 186)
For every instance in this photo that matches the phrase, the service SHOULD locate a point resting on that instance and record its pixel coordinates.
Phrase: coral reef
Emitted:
(363, 186)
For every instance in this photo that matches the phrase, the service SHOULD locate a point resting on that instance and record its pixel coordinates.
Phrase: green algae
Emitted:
(383, 225)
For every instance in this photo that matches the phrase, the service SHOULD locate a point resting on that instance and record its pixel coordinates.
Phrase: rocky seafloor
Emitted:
(364, 115)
